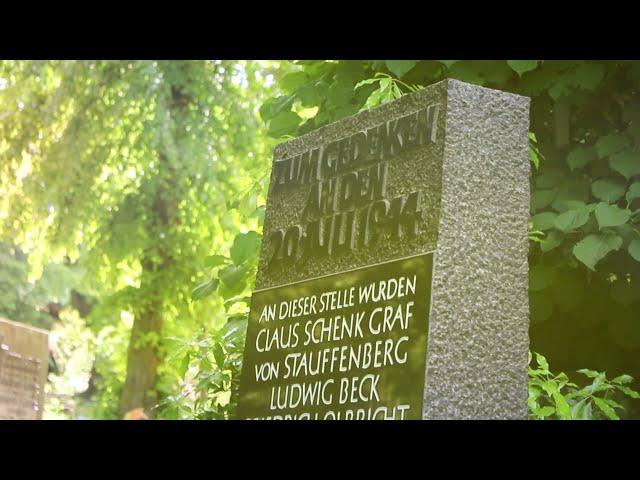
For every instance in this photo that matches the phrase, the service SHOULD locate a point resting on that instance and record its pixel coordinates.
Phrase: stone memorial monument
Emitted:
(393, 275)
(24, 364)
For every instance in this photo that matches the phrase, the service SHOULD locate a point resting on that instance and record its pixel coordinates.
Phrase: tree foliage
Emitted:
(126, 168)
(585, 198)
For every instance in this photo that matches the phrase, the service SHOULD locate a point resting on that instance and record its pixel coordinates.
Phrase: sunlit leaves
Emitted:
(212, 261)
(294, 80)
(555, 396)
(232, 275)
(204, 289)
(184, 364)
(245, 246)
(284, 123)
(275, 106)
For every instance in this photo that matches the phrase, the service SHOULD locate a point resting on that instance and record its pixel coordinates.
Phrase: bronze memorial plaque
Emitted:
(24, 355)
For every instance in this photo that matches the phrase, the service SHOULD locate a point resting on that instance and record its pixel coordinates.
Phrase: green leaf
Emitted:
(368, 81)
(533, 156)
(563, 409)
(543, 221)
(204, 365)
(184, 364)
(215, 260)
(634, 249)
(612, 403)
(572, 219)
(608, 190)
(634, 191)
(204, 289)
(627, 163)
(448, 63)
(573, 189)
(232, 275)
(542, 362)
(611, 215)
(218, 355)
(606, 408)
(245, 246)
(274, 106)
(575, 409)
(589, 373)
(581, 156)
(544, 411)
(631, 393)
(623, 379)
(549, 386)
(248, 203)
(542, 198)
(610, 144)
(588, 75)
(587, 412)
(237, 299)
(522, 66)
(467, 71)
(400, 67)
(341, 93)
(293, 80)
(309, 95)
(593, 248)
(284, 123)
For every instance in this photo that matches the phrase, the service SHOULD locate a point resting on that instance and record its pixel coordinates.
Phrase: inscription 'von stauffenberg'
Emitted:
(347, 204)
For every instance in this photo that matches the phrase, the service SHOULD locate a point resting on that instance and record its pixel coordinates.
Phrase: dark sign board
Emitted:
(348, 346)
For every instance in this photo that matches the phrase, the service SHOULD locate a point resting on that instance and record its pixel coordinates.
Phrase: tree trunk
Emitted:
(142, 363)
(143, 360)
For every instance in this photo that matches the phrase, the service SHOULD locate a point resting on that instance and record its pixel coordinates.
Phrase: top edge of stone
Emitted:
(24, 326)
(370, 113)
(453, 81)
(445, 84)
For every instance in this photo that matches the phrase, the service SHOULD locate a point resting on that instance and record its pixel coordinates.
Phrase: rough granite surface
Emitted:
(478, 326)
(474, 183)
(416, 169)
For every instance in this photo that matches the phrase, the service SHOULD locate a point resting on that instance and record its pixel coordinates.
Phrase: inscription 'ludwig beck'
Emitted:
(347, 204)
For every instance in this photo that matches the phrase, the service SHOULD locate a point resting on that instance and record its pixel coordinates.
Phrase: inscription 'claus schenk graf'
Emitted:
(347, 203)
